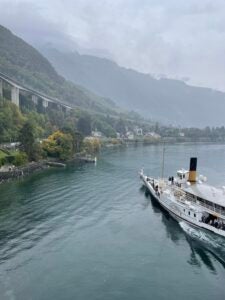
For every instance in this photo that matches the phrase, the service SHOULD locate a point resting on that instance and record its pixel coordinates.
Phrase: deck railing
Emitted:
(195, 201)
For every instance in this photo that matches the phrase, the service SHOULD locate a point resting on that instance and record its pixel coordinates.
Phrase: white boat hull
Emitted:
(175, 210)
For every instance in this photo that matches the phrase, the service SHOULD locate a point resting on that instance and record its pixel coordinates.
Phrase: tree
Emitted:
(27, 140)
(20, 159)
(59, 145)
(157, 127)
(28, 143)
(76, 136)
(78, 141)
(101, 125)
(120, 126)
(11, 120)
(84, 125)
(92, 145)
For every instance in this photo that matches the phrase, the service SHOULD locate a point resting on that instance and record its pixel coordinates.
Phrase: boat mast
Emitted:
(163, 160)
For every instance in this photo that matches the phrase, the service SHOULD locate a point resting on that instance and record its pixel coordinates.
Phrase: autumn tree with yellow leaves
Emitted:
(59, 145)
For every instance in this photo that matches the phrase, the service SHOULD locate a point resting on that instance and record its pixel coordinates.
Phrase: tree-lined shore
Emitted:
(28, 135)
(57, 135)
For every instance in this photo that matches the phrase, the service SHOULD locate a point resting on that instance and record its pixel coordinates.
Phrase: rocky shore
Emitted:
(12, 173)
(15, 173)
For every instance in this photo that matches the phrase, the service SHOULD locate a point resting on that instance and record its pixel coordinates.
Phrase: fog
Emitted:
(171, 38)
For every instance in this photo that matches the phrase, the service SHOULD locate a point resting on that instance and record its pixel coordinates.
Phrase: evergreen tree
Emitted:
(84, 125)
(27, 140)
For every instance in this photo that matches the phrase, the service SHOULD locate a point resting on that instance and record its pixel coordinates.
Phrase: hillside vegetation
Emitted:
(12, 120)
(26, 65)
(53, 134)
(62, 134)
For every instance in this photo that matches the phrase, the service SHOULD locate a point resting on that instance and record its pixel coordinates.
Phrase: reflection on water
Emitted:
(91, 232)
(200, 252)
(205, 245)
(171, 226)
(27, 215)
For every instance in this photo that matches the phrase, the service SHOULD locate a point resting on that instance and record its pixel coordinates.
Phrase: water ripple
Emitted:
(85, 223)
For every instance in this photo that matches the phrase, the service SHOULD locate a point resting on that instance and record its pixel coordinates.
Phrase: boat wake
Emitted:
(202, 242)
(200, 235)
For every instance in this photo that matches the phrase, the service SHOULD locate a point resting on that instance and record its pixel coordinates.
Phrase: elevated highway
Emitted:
(17, 88)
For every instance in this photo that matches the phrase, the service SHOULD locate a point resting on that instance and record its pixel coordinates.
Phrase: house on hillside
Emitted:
(130, 135)
(181, 134)
(97, 134)
(138, 131)
(118, 135)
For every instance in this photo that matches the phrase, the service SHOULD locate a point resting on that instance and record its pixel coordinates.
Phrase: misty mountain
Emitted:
(25, 64)
(168, 100)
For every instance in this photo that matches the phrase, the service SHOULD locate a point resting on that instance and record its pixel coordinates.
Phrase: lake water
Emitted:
(91, 232)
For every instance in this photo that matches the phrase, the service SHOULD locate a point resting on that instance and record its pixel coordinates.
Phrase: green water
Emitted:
(91, 232)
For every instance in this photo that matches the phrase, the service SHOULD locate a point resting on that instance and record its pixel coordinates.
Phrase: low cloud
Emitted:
(175, 38)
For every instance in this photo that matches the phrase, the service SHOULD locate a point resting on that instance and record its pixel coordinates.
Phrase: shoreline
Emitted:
(24, 171)
(34, 167)
(42, 165)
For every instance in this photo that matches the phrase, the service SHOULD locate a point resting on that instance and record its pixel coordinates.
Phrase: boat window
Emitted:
(200, 199)
(205, 201)
(195, 215)
(210, 204)
(189, 213)
(184, 209)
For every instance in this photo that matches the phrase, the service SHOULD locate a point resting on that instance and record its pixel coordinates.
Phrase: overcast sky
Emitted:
(174, 38)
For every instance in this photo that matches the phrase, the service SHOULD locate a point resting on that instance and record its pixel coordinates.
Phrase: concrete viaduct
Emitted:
(36, 97)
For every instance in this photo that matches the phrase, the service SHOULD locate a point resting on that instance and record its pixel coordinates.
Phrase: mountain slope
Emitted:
(168, 100)
(25, 64)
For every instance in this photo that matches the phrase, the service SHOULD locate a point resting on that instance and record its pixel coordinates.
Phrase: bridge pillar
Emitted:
(34, 99)
(1, 88)
(44, 103)
(15, 95)
(67, 109)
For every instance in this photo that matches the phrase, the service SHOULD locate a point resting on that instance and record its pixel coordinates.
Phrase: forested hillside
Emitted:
(25, 64)
(170, 101)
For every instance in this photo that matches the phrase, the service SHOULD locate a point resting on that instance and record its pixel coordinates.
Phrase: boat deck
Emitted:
(207, 192)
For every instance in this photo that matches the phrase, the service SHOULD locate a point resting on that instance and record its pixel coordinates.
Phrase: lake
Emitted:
(92, 232)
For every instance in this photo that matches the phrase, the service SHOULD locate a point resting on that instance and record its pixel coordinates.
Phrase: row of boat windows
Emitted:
(210, 220)
(190, 213)
(207, 202)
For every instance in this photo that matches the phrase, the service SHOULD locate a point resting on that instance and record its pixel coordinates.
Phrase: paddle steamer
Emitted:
(189, 198)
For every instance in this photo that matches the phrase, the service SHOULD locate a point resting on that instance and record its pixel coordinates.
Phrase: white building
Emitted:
(138, 131)
(153, 134)
(118, 135)
(97, 134)
(130, 135)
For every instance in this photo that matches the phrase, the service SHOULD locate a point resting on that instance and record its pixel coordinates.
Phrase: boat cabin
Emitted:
(182, 176)
(207, 196)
